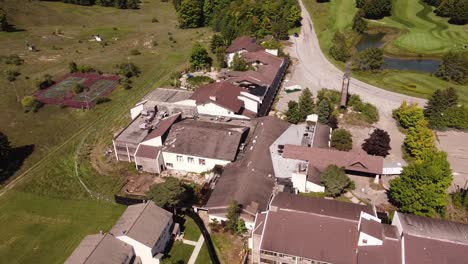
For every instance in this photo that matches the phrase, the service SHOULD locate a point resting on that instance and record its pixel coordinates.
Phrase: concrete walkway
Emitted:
(198, 245)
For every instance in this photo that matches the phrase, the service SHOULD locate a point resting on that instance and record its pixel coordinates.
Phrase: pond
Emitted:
(397, 63)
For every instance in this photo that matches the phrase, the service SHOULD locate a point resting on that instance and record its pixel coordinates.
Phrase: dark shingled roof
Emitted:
(101, 248)
(163, 126)
(326, 207)
(321, 136)
(321, 158)
(204, 139)
(312, 236)
(372, 228)
(149, 152)
(251, 179)
(223, 94)
(388, 253)
(243, 43)
(143, 222)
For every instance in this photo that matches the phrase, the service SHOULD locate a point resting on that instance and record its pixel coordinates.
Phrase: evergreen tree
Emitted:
(306, 104)
(438, 103)
(339, 50)
(323, 111)
(133, 4)
(422, 186)
(293, 114)
(233, 215)
(377, 9)
(454, 68)
(378, 143)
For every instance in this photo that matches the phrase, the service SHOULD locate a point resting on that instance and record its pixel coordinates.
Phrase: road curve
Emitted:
(312, 69)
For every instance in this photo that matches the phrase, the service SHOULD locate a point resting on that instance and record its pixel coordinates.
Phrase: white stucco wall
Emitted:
(142, 251)
(155, 142)
(370, 240)
(184, 165)
(312, 187)
(302, 185)
(135, 111)
(249, 103)
(216, 110)
(396, 222)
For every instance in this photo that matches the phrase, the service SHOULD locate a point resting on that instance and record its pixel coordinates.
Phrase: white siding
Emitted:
(302, 185)
(141, 250)
(312, 187)
(249, 103)
(135, 111)
(183, 163)
(216, 110)
(155, 142)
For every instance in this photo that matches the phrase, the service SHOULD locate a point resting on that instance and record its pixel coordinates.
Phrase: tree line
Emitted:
(455, 10)
(121, 4)
(257, 18)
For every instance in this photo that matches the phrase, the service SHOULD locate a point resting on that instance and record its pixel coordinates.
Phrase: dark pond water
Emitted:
(404, 64)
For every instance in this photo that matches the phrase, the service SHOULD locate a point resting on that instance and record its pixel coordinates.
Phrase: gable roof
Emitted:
(143, 222)
(204, 139)
(321, 158)
(101, 248)
(149, 152)
(250, 179)
(163, 126)
(325, 207)
(243, 43)
(223, 94)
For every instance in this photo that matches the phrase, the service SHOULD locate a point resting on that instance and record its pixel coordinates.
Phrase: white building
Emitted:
(147, 228)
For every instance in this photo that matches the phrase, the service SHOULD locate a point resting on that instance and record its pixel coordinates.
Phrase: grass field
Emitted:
(421, 31)
(180, 253)
(425, 29)
(47, 186)
(191, 230)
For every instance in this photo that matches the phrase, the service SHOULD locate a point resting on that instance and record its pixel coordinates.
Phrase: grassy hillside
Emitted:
(46, 209)
(421, 31)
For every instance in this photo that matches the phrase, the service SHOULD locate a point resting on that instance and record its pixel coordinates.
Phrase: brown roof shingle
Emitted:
(149, 152)
(321, 158)
(243, 43)
(163, 126)
(221, 93)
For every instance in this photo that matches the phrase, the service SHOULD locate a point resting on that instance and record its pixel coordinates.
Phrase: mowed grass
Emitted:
(37, 229)
(419, 24)
(421, 31)
(47, 186)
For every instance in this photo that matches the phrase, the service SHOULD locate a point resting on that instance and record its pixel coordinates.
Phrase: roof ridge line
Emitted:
(334, 217)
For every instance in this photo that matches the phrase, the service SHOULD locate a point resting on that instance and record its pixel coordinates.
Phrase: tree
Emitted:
(359, 23)
(378, 143)
(128, 69)
(239, 63)
(168, 194)
(199, 58)
(324, 111)
(79, 88)
(339, 50)
(456, 10)
(294, 16)
(306, 104)
(72, 67)
(5, 148)
(233, 215)
(11, 76)
(419, 141)
(408, 115)
(335, 180)
(217, 41)
(293, 115)
(454, 68)
(342, 139)
(27, 102)
(377, 9)
(190, 14)
(370, 59)
(45, 82)
(439, 102)
(133, 4)
(4, 25)
(422, 186)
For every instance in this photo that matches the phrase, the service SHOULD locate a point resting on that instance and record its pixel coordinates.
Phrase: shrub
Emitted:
(78, 88)
(199, 80)
(45, 82)
(13, 59)
(342, 139)
(340, 51)
(331, 95)
(154, 20)
(135, 52)
(27, 102)
(101, 100)
(128, 69)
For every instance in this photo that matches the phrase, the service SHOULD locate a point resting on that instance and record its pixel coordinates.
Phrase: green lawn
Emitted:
(48, 212)
(191, 230)
(37, 229)
(420, 29)
(180, 253)
(203, 256)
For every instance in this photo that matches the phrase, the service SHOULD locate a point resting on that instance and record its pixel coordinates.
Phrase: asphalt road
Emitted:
(313, 70)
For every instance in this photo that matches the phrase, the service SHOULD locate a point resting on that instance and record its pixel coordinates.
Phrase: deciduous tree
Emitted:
(378, 143)
(370, 59)
(419, 141)
(422, 186)
(342, 139)
(190, 14)
(408, 115)
(11, 76)
(335, 180)
(199, 58)
(454, 68)
(168, 194)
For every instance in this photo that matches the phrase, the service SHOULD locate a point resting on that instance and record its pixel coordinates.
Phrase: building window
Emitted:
(202, 162)
(190, 160)
(179, 158)
(169, 165)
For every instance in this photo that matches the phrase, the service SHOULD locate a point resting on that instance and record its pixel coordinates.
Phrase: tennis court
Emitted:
(62, 92)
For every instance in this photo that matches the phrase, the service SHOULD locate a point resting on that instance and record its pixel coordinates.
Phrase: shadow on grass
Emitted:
(14, 162)
(206, 235)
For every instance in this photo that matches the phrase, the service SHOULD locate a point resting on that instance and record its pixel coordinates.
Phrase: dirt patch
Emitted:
(230, 248)
(139, 184)
(51, 58)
